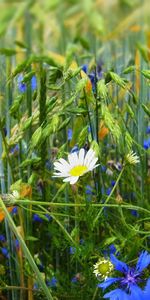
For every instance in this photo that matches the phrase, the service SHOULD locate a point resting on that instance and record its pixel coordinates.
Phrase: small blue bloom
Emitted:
(82, 241)
(103, 168)
(113, 183)
(17, 244)
(36, 218)
(72, 250)
(75, 149)
(2, 238)
(21, 86)
(35, 286)
(69, 134)
(33, 83)
(14, 210)
(148, 130)
(128, 282)
(14, 149)
(85, 68)
(52, 283)
(48, 217)
(108, 191)
(146, 144)
(74, 280)
(88, 190)
(135, 213)
(5, 252)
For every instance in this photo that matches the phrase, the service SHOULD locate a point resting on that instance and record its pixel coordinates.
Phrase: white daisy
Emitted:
(77, 165)
(103, 268)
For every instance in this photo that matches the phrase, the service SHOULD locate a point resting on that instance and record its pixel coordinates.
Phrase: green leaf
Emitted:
(7, 52)
(129, 69)
(146, 109)
(102, 89)
(146, 73)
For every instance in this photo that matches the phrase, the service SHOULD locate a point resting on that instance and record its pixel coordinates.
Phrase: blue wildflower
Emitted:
(74, 279)
(129, 280)
(75, 149)
(69, 134)
(5, 252)
(36, 218)
(113, 183)
(103, 168)
(134, 213)
(48, 217)
(35, 286)
(108, 191)
(85, 68)
(33, 83)
(17, 244)
(2, 238)
(146, 144)
(14, 210)
(21, 85)
(72, 250)
(52, 283)
(148, 130)
(14, 149)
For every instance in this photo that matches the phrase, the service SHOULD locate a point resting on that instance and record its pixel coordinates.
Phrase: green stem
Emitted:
(26, 252)
(108, 198)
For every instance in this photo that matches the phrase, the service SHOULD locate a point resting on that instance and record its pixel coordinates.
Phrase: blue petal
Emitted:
(108, 282)
(143, 261)
(117, 294)
(136, 293)
(119, 265)
(147, 290)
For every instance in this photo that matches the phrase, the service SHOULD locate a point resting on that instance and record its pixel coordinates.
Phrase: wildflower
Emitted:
(132, 158)
(5, 252)
(48, 217)
(14, 210)
(52, 283)
(16, 242)
(37, 218)
(74, 279)
(146, 144)
(33, 83)
(69, 134)
(134, 213)
(129, 280)
(21, 85)
(108, 191)
(78, 165)
(75, 149)
(72, 250)
(103, 268)
(148, 130)
(2, 238)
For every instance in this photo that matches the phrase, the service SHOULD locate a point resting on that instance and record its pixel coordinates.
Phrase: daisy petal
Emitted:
(92, 163)
(89, 156)
(81, 156)
(74, 179)
(64, 163)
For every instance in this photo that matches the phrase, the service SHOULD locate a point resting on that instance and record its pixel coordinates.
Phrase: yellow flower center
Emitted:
(104, 268)
(78, 170)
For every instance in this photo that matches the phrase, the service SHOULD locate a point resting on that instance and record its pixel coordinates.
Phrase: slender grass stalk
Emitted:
(26, 251)
(109, 197)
